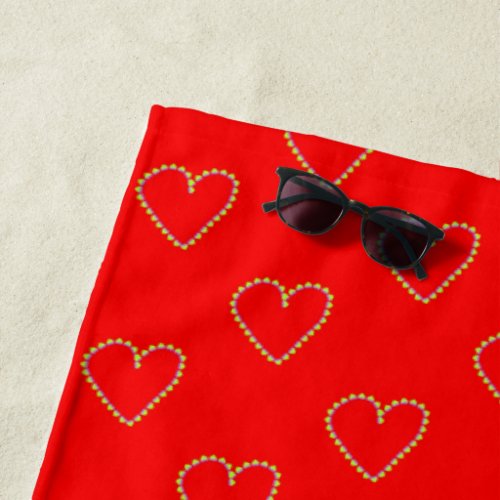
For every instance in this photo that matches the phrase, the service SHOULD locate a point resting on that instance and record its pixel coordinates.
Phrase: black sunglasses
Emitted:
(392, 237)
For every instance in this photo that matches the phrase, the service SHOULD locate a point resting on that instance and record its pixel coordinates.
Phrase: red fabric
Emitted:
(383, 373)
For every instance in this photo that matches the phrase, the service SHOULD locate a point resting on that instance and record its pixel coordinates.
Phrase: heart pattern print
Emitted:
(299, 156)
(286, 297)
(233, 473)
(381, 413)
(492, 342)
(136, 358)
(192, 182)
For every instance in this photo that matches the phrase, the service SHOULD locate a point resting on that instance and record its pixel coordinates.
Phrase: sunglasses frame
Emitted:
(433, 232)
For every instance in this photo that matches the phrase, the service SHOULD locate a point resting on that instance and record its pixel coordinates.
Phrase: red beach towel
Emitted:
(225, 356)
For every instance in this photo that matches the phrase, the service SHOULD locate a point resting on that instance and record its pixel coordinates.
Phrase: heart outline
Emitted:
(191, 182)
(290, 142)
(232, 473)
(479, 367)
(380, 420)
(440, 289)
(285, 295)
(138, 357)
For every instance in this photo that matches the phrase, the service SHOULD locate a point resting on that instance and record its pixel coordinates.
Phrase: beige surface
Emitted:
(414, 78)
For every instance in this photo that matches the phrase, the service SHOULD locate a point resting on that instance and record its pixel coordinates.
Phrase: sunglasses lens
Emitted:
(309, 204)
(394, 238)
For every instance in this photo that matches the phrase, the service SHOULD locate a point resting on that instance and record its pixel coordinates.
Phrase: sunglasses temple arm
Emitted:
(437, 233)
(420, 272)
(322, 194)
(269, 206)
(410, 227)
(418, 268)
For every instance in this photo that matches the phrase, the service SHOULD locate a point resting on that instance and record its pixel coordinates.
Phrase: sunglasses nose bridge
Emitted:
(358, 207)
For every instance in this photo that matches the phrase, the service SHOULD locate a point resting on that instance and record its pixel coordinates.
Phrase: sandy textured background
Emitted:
(414, 78)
